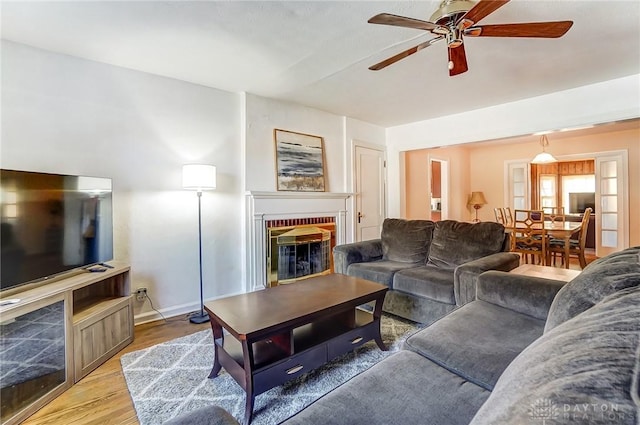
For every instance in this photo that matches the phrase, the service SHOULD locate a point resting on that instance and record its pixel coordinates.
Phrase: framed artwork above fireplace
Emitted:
(299, 161)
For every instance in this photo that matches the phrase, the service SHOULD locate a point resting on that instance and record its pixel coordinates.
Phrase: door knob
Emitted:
(360, 215)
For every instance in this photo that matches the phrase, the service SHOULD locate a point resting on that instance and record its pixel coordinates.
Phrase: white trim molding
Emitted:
(264, 206)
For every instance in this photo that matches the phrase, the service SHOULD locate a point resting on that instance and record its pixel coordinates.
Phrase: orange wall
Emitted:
(480, 167)
(416, 196)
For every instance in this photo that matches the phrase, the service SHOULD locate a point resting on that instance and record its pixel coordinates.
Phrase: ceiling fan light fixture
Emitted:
(544, 157)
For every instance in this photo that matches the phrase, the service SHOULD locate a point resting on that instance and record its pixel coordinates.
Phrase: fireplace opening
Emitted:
(299, 249)
(303, 252)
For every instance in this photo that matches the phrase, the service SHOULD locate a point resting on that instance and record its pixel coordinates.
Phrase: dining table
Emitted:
(555, 229)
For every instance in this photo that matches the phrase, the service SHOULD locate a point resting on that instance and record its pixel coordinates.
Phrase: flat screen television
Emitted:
(51, 224)
(580, 201)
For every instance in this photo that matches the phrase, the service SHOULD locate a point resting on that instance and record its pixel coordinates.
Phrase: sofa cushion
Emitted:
(380, 271)
(406, 241)
(581, 371)
(455, 243)
(405, 388)
(426, 281)
(477, 341)
(598, 280)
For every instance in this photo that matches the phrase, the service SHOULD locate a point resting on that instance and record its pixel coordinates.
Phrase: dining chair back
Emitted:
(499, 213)
(554, 214)
(528, 236)
(508, 216)
(577, 246)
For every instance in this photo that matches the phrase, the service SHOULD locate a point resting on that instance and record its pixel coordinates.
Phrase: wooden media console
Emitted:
(54, 333)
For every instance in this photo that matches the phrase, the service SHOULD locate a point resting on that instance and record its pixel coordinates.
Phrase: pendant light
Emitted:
(544, 157)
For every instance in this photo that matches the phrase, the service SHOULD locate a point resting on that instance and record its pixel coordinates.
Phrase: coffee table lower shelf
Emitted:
(284, 352)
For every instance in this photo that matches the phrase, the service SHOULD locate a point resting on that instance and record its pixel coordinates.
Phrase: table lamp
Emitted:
(477, 200)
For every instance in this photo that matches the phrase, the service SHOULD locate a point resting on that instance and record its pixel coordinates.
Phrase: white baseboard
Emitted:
(179, 310)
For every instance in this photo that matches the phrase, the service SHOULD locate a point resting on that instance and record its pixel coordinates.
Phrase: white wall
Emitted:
(597, 103)
(66, 115)
(263, 115)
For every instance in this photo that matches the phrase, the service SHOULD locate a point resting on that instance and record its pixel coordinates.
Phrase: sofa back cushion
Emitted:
(598, 280)
(455, 243)
(583, 371)
(406, 241)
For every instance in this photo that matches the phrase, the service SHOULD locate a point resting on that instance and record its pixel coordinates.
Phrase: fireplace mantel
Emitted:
(298, 195)
(263, 206)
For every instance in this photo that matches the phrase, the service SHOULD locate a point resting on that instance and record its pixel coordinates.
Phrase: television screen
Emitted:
(580, 201)
(52, 223)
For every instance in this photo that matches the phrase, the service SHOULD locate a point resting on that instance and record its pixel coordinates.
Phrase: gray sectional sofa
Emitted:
(525, 351)
(430, 267)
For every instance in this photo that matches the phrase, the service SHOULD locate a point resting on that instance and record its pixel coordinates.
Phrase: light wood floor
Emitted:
(102, 396)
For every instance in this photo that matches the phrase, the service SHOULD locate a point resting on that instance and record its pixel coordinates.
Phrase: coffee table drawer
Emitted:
(351, 340)
(289, 369)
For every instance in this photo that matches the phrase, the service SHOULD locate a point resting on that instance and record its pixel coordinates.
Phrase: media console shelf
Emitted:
(83, 319)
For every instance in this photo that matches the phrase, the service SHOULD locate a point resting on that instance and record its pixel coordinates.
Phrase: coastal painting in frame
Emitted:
(299, 161)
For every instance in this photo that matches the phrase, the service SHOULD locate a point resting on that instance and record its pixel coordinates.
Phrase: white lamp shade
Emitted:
(543, 158)
(198, 177)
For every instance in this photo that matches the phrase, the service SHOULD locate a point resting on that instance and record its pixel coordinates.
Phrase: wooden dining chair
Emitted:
(529, 237)
(554, 214)
(499, 213)
(508, 216)
(576, 246)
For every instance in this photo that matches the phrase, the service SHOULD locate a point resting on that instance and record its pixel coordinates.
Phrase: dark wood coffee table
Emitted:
(282, 332)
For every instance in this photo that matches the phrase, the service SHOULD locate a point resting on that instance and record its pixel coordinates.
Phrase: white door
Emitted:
(611, 217)
(370, 189)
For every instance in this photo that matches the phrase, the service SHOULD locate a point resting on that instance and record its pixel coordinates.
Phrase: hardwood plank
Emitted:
(102, 396)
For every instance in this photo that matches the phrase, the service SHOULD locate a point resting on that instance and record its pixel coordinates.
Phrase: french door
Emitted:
(612, 199)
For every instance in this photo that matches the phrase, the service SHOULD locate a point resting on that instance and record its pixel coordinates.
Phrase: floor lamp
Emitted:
(199, 177)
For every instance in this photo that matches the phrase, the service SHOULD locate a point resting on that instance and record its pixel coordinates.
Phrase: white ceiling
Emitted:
(317, 53)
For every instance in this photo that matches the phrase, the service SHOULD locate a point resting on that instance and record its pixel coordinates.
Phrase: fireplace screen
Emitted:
(305, 245)
(303, 251)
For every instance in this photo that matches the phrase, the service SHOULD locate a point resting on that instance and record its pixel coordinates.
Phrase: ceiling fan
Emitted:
(455, 19)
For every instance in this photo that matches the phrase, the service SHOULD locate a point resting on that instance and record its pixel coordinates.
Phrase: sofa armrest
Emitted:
(357, 252)
(465, 276)
(523, 294)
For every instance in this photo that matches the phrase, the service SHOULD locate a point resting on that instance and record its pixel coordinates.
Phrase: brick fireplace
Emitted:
(306, 224)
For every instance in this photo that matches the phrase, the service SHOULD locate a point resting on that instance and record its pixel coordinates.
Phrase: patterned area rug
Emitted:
(169, 379)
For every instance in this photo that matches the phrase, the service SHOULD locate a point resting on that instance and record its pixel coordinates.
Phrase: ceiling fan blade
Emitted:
(530, 29)
(393, 59)
(457, 60)
(402, 21)
(482, 9)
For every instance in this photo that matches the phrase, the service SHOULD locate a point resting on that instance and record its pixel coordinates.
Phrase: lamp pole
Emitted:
(476, 207)
(202, 317)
